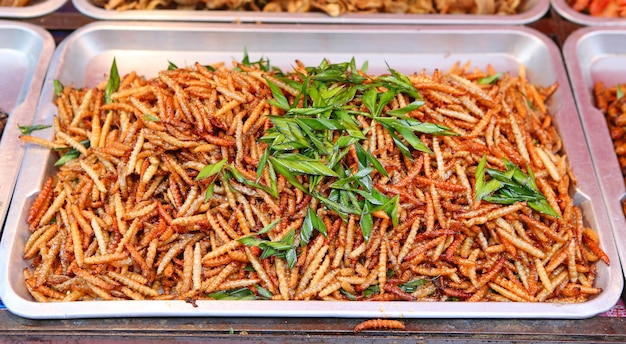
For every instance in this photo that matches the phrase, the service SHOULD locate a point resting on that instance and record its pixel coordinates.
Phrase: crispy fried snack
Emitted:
(185, 186)
(331, 7)
(14, 3)
(612, 103)
(379, 324)
(600, 8)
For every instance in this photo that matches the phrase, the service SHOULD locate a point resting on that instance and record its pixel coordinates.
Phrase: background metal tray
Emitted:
(565, 10)
(591, 55)
(25, 52)
(38, 8)
(86, 55)
(533, 10)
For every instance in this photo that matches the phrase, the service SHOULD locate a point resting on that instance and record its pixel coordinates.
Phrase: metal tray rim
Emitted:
(36, 10)
(531, 15)
(31, 309)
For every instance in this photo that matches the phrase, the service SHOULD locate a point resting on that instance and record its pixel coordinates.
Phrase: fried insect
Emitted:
(161, 207)
(331, 8)
(612, 103)
(379, 324)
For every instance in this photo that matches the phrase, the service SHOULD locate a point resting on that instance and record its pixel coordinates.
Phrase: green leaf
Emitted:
(291, 257)
(416, 104)
(71, 154)
(402, 147)
(323, 147)
(279, 100)
(311, 222)
(349, 295)
(28, 129)
(366, 222)
(251, 240)
(341, 209)
(371, 290)
(233, 294)
(209, 191)
(242, 179)
(151, 118)
(544, 207)
(369, 98)
(345, 183)
(263, 293)
(211, 169)
(300, 164)
(479, 176)
(405, 129)
(262, 163)
(488, 189)
(491, 79)
(391, 209)
(384, 99)
(246, 58)
(112, 84)
(413, 285)
(510, 186)
(365, 157)
(291, 131)
(171, 65)
(619, 93)
(269, 227)
(322, 123)
(401, 82)
(280, 168)
(58, 87)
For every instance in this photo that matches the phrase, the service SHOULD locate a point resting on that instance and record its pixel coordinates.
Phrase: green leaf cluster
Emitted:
(319, 127)
(283, 248)
(28, 129)
(242, 294)
(510, 186)
(113, 83)
(71, 154)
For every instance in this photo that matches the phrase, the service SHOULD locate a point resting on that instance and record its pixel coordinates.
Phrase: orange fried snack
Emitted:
(179, 187)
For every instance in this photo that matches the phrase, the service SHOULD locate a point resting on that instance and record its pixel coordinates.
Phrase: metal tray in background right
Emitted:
(567, 12)
(599, 54)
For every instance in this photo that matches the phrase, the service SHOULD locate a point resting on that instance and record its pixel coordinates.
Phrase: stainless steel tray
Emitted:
(567, 12)
(531, 12)
(591, 55)
(85, 56)
(26, 51)
(38, 8)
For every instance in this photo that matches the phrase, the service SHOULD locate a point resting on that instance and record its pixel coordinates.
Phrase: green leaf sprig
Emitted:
(58, 87)
(491, 79)
(28, 129)
(510, 186)
(71, 154)
(242, 294)
(283, 248)
(113, 83)
(308, 143)
(619, 93)
(413, 285)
